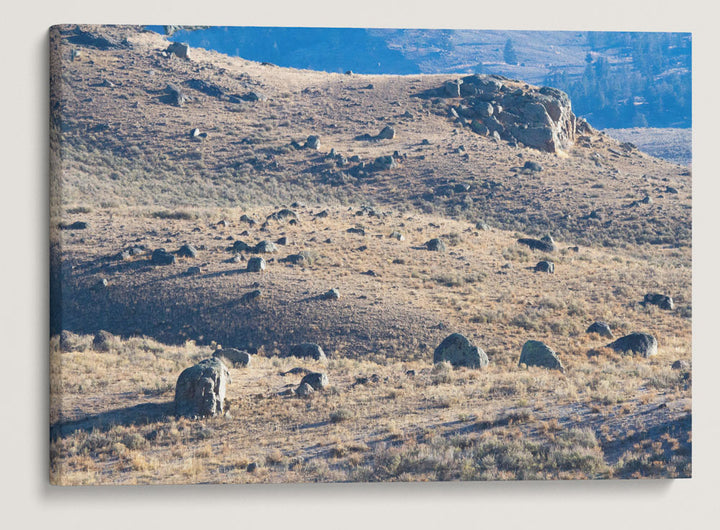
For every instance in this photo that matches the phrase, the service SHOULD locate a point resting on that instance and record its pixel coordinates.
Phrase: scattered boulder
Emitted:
(545, 266)
(661, 300)
(77, 225)
(536, 353)
(193, 271)
(532, 166)
(308, 349)
(160, 256)
(681, 364)
(384, 163)
(457, 350)
(304, 390)
(175, 96)
(200, 389)
(317, 380)
(481, 226)
(601, 328)
(256, 265)
(304, 257)
(68, 341)
(642, 344)
(356, 230)
(252, 295)
(103, 340)
(233, 356)
(312, 142)
(240, 246)
(388, 133)
(332, 294)
(282, 215)
(247, 219)
(397, 235)
(546, 244)
(282, 240)
(187, 251)
(265, 247)
(436, 244)
(180, 49)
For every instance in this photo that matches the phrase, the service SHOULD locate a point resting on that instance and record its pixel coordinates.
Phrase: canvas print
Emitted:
(284, 255)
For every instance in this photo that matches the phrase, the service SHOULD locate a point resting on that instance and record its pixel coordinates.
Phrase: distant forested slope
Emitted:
(614, 79)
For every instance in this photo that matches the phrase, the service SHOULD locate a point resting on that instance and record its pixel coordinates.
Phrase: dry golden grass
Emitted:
(137, 180)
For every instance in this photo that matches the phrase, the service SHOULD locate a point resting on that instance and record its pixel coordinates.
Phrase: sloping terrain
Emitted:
(131, 175)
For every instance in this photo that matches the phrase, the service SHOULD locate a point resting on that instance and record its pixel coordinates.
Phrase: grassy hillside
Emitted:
(126, 164)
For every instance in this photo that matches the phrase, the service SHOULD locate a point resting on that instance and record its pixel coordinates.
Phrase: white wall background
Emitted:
(26, 499)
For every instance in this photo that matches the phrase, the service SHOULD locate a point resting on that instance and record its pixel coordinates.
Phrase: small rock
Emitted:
(601, 328)
(308, 349)
(681, 364)
(661, 300)
(332, 294)
(304, 390)
(256, 265)
(545, 266)
(180, 49)
(282, 240)
(317, 380)
(436, 244)
(312, 142)
(532, 166)
(103, 340)
(251, 467)
(233, 356)
(388, 133)
(187, 251)
(265, 247)
(397, 235)
(193, 271)
(160, 256)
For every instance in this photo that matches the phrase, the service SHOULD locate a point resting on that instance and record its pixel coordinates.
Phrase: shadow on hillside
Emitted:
(136, 415)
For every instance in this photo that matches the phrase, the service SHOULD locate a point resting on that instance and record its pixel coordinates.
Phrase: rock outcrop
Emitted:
(538, 117)
(200, 389)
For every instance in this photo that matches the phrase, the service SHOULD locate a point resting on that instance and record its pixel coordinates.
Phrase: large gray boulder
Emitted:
(635, 343)
(388, 133)
(536, 353)
(601, 328)
(233, 356)
(200, 389)
(457, 350)
(308, 349)
(265, 247)
(180, 49)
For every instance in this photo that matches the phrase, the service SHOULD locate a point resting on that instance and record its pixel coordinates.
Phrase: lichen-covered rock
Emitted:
(536, 353)
(317, 380)
(200, 389)
(457, 350)
(642, 344)
(308, 349)
(265, 247)
(233, 356)
(601, 328)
